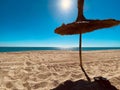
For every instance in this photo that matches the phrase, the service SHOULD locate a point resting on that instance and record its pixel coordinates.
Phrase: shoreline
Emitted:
(23, 49)
(60, 51)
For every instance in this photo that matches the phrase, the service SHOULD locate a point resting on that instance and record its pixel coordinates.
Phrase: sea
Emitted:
(20, 49)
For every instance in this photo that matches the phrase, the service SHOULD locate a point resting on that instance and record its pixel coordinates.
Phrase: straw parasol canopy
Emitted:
(83, 25)
(80, 27)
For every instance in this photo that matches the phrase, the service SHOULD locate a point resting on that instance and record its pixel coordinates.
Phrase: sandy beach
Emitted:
(45, 70)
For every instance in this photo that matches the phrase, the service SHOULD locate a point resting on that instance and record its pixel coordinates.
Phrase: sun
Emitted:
(65, 5)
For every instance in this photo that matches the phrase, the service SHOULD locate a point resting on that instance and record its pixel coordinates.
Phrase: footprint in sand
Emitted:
(40, 85)
(42, 68)
(28, 69)
(76, 76)
(28, 63)
(9, 85)
(44, 76)
(26, 84)
(55, 83)
(66, 74)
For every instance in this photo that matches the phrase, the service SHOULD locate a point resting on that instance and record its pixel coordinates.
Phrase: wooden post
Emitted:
(80, 56)
(80, 10)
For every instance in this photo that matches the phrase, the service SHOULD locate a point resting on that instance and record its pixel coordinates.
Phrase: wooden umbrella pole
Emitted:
(80, 56)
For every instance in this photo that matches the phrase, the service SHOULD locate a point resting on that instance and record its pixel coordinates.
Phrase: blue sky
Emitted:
(32, 23)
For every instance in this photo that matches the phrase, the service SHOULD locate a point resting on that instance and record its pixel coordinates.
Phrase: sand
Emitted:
(45, 70)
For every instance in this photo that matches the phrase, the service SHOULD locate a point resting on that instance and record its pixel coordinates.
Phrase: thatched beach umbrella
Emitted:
(83, 25)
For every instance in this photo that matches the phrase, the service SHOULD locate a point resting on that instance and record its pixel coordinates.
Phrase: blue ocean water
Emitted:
(17, 49)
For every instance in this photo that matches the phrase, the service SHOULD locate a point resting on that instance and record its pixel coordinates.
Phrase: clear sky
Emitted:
(32, 22)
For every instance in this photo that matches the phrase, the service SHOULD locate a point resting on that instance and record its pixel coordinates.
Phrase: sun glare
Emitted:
(65, 5)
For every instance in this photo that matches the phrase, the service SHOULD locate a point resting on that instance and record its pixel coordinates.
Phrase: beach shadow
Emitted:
(99, 83)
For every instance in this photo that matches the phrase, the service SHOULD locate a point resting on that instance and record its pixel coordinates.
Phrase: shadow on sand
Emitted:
(99, 83)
